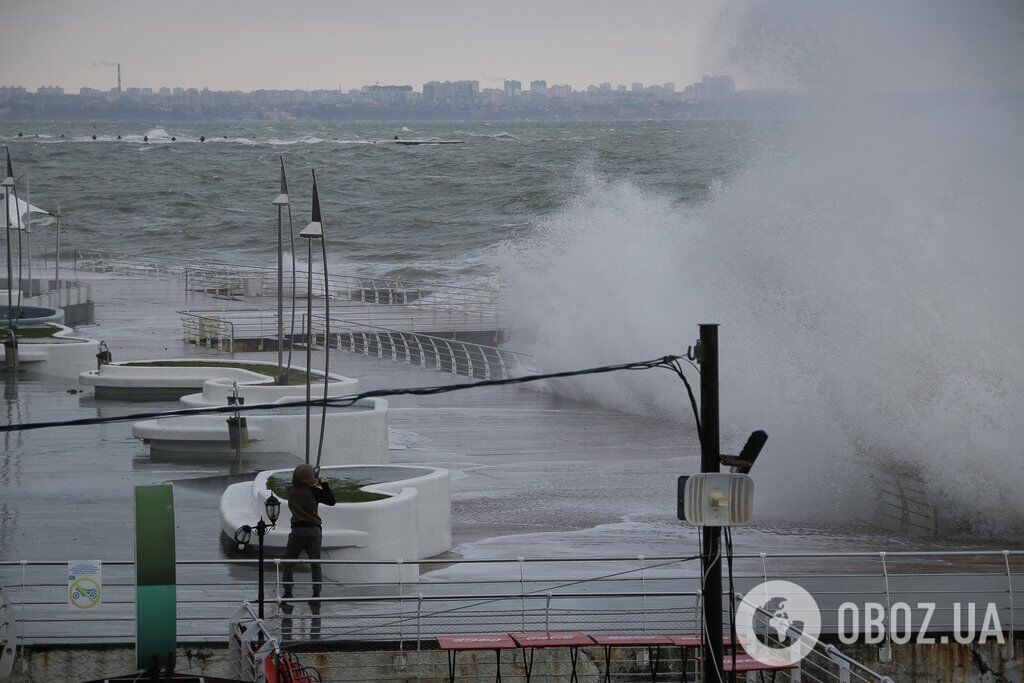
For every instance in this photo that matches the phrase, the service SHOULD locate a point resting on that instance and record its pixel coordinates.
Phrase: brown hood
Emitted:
(303, 476)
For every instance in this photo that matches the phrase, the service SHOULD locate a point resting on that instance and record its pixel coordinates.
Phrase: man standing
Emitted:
(306, 493)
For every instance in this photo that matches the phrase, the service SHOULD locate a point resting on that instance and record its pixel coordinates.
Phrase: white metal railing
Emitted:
(223, 329)
(441, 354)
(904, 503)
(240, 280)
(598, 594)
(210, 331)
(250, 645)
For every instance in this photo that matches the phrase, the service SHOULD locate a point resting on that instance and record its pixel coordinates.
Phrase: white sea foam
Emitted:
(866, 276)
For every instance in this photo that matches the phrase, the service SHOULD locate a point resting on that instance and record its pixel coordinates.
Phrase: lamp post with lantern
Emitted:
(244, 534)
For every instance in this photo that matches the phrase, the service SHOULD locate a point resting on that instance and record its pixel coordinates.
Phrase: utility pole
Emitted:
(711, 551)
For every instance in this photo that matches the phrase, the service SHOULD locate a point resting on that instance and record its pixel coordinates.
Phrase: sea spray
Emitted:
(866, 276)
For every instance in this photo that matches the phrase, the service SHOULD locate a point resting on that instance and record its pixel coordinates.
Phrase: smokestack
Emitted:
(119, 77)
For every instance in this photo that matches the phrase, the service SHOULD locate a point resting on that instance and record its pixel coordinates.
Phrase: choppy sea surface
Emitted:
(417, 212)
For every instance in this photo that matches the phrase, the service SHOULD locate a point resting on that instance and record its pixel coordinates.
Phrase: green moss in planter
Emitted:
(345, 490)
(35, 332)
(295, 377)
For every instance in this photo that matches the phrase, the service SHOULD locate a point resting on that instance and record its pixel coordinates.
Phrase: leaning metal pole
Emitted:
(327, 321)
(281, 201)
(280, 302)
(28, 230)
(10, 265)
(309, 334)
(711, 550)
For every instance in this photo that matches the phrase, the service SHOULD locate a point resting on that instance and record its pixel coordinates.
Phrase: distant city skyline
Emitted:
(319, 44)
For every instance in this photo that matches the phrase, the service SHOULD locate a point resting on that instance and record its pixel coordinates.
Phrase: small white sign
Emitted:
(85, 584)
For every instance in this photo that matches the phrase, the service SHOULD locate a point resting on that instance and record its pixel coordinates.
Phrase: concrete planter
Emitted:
(413, 523)
(124, 382)
(353, 435)
(61, 355)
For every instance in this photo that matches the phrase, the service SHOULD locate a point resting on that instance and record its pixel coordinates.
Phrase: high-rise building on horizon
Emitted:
(512, 89)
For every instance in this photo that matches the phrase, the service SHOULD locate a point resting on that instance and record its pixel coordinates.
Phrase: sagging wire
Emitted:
(673, 364)
(345, 401)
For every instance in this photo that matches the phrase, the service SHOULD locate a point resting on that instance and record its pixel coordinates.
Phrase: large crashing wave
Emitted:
(866, 276)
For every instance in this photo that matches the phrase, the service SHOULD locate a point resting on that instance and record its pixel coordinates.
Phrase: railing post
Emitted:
(888, 610)
(21, 630)
(401, 602)
(1009, 587)
(643, 590)
(522, 588)
(277, 594)
(547, 612)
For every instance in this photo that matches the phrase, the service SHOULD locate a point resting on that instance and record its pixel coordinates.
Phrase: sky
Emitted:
(252, 44)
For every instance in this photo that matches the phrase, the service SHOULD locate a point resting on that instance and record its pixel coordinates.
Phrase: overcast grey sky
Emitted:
(250, 44)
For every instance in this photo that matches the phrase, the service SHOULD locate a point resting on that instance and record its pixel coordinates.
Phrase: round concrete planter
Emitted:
(357, 434)
(126, 381)
(61, 355)
(413, 523)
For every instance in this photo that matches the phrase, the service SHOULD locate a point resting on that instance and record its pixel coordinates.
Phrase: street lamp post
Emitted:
(56, 261)
(280, 202)
(313, 231)
(8, 185)
(244, 534)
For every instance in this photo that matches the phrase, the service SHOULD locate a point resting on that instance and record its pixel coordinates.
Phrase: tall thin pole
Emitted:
(56, 261)
(711, 550)
(28, 230)
(317, 218)
(280, 302)
(309, 334)
(10, 265)
(261, 531)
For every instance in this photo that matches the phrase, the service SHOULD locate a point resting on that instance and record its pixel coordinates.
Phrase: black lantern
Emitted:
(273, 506)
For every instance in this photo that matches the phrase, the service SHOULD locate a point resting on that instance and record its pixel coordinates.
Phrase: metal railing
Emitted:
(441, 354)
(622, 594)
(904, 504)
(240, 280)
(224, 329)
(210, 331)
(250, 644)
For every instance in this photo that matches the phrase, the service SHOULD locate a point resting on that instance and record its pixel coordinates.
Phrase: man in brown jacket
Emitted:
(306, 493)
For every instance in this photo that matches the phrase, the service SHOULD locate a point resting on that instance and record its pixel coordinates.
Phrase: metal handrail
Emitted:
(426, 294)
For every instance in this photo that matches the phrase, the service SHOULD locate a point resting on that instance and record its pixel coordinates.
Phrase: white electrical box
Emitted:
(719, 499)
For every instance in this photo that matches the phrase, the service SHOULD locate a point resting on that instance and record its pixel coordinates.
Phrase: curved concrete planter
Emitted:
(120, 381)
(353, 435)
(62, 355)
(412, 524)
(29, 316)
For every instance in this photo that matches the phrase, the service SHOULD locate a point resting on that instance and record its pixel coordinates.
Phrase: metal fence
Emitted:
(597, 595)
(227, 330)
(232, 280)
(624, 594)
